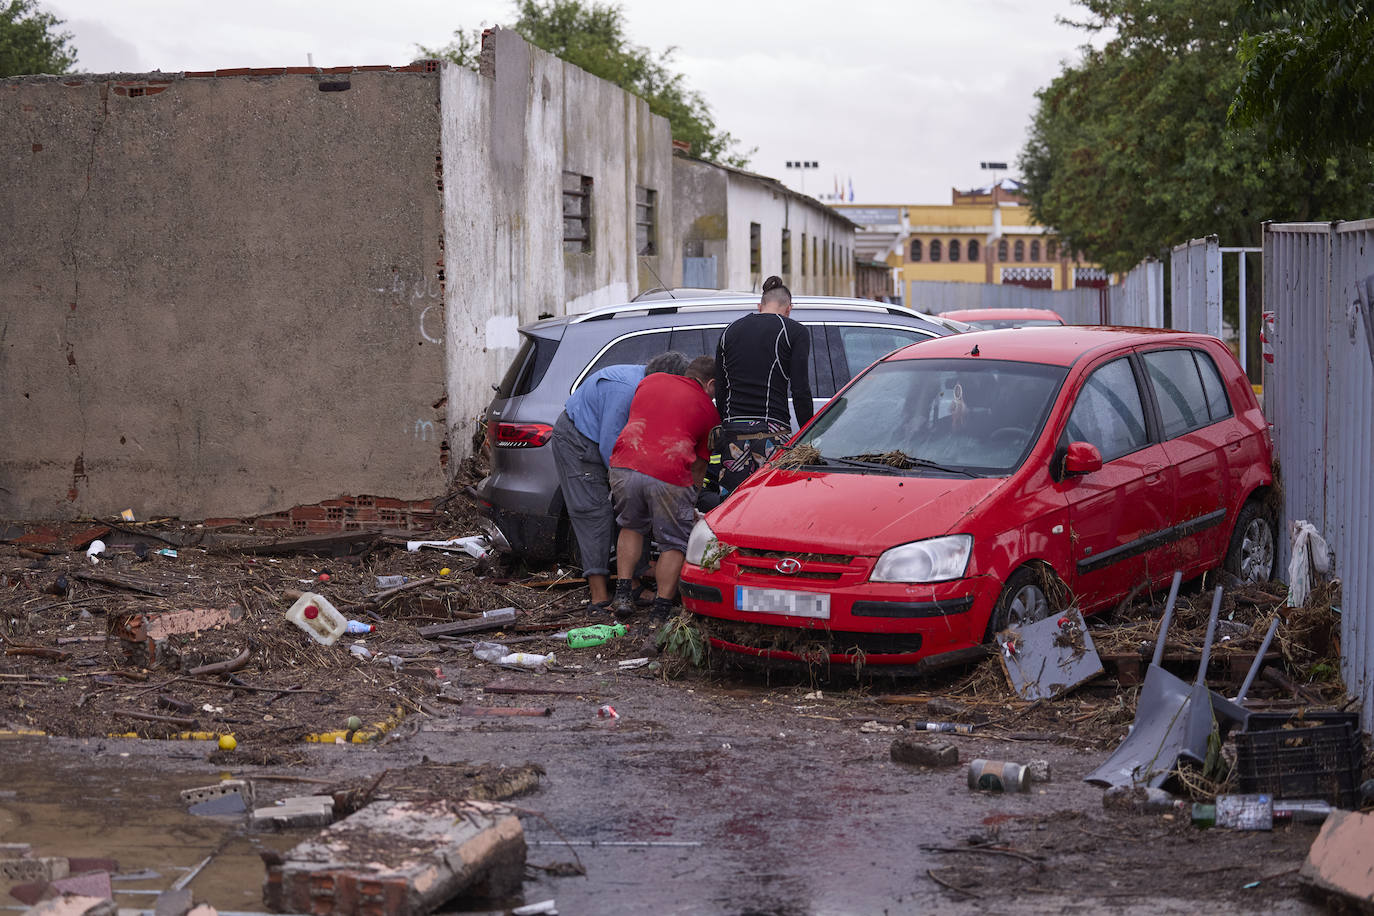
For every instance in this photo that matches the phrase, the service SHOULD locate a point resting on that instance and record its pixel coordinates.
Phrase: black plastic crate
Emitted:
(1317, 755)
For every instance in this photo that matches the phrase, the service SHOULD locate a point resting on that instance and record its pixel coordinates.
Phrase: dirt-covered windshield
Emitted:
(962, 416)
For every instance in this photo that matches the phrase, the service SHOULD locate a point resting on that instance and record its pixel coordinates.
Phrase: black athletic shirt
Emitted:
(758, 358)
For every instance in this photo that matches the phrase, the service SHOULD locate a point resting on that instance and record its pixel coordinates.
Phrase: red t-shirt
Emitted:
(670, 420)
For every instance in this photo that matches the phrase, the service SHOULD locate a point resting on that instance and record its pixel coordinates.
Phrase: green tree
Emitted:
(592, 36)
(29, 42)
(1307, 77)
(1129, 151)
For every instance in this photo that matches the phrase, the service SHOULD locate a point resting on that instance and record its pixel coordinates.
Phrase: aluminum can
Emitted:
(998, 776)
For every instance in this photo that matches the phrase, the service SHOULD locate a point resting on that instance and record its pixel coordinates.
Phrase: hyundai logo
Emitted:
(788, 566)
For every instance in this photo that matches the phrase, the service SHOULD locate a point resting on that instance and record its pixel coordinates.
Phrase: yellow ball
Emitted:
(227, 743)
(445, 571)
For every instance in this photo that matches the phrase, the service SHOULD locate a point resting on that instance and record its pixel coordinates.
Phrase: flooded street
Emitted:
(699, 799)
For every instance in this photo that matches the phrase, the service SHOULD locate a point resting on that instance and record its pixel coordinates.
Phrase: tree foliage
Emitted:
(1129, 151)
(1307, 77)
(29, 42)
(592, 36)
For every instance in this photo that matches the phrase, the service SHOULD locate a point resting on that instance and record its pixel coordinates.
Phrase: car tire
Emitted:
(1253, 552)
(1024, 599)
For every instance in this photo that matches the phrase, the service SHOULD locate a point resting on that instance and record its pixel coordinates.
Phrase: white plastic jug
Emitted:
(315, 615)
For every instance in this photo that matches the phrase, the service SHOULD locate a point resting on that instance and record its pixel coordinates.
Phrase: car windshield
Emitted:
(968, 417)
(992, 324)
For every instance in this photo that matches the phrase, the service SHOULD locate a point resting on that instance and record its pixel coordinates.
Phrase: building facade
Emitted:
(985, 235)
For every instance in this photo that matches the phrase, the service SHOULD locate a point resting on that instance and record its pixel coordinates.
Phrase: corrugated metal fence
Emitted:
(1075, 306)
(1195, 286)
(1138, 301)
(1319, 394)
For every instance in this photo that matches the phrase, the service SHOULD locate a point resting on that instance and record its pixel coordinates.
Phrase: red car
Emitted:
(970, 482)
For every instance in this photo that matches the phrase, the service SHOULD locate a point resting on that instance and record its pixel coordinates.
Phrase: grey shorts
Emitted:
(653, 508)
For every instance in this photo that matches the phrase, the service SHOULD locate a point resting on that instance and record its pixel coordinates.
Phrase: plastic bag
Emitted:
(1310, 552)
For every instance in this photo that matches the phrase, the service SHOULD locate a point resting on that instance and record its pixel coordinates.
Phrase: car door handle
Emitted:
(1153, 473)
(1234, 440)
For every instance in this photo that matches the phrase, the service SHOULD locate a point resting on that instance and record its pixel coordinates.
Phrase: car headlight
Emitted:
(934, 560)
(701, 537)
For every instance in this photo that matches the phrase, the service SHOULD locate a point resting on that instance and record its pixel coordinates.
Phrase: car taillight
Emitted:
(521, 435)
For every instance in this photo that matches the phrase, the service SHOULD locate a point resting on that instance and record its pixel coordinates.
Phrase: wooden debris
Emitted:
(126, 582)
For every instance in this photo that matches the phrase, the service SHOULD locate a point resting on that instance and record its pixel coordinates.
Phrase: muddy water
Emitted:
(88, 800)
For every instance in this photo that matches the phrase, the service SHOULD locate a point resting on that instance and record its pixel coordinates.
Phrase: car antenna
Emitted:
(662, 285)
(974, 351)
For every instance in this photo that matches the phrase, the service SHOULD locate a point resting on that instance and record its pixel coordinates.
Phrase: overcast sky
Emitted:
(902, 97)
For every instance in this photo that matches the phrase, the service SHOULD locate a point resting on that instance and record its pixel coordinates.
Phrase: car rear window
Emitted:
(528, 367)
(1188, 390)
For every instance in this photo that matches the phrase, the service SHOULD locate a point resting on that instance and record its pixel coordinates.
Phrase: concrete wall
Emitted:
(509, 133)
(219, 295)
(700, 195)
(755, 199)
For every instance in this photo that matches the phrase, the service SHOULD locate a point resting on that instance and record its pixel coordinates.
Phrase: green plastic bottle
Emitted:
(594, 635)
(1204, 816)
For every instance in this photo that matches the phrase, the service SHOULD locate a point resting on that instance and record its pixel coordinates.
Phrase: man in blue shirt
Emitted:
(583, 437)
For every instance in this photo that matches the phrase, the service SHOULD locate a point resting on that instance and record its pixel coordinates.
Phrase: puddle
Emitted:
(75, 803)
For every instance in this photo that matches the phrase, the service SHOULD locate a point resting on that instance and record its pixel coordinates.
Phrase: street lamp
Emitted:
(993, 167)
(802, 166)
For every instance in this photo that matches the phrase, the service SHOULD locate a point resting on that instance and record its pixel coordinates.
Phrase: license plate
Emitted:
(781, 601)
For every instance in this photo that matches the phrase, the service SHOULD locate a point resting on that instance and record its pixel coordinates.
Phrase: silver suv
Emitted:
(521, 498)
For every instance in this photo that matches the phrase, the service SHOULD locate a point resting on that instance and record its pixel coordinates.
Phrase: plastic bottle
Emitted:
(1305, 811)
(490, 651)
(1236, 812)
(357, 627)
(594, 635)
(316, 616)
(527, 659)
(998, 776)
(476, 546)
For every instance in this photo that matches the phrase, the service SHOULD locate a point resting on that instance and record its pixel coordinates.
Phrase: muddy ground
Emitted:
(715, 791)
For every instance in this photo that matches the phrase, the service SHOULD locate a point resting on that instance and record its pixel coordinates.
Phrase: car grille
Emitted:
(842, 559)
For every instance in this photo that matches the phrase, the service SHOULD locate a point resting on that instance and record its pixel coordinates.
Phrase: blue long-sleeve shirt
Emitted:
(601, 405)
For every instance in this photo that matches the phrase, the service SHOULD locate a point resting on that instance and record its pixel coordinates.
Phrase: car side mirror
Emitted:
(1081, 458)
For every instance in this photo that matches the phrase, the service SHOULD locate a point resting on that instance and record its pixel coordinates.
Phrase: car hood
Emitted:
(845, 513)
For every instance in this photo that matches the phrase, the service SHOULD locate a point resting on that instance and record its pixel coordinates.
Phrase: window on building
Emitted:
(1002, 250)
(954, 249)
(646, 221)
(755, 248)
(1051, 250)
(577, 212)
(935, 249)
(787, 251)
(916, 249)
(815, 258)
(1019, 250)
(973, 249)
(1035, 250)
(803, 254)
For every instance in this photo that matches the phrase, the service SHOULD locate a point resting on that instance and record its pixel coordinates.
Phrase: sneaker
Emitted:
(623, 604)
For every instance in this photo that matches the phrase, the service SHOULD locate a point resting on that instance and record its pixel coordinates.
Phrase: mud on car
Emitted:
(983, 480)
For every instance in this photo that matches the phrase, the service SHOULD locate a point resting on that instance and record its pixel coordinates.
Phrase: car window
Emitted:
(691, 342)
(1109, 412)
(975, 414)
(1218, 404)
(1178, 386)
(864, 346)
(819, 374)
(636, 348)
(527, 369)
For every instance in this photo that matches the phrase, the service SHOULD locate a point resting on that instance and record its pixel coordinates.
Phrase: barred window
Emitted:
(954, 249)
(973, 249)
(935, 249)
(646, 221)
(916, 249)
(577, 212)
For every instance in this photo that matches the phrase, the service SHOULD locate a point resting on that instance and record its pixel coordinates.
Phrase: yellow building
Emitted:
(983, 236)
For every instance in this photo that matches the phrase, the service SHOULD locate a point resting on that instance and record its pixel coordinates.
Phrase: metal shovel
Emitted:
(1165, 720)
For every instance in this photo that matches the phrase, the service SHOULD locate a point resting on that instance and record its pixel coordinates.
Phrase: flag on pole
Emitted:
(851, 190)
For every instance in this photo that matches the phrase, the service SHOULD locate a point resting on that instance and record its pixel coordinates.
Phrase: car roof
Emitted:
(999, 314)
(1061, 345)
(726, 301)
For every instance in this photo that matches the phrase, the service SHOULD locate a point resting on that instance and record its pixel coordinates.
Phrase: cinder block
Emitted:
(225, 787)
(301, 811)
(34, 869)
(401, 859)
(924, 752)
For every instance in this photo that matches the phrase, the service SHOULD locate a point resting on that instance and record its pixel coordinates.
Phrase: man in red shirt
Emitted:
(655, 466)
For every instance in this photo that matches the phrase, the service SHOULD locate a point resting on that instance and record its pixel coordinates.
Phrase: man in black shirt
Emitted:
(759, 358)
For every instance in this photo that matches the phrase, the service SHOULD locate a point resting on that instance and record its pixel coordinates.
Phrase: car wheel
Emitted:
(1023, 600)
(1252, 554)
